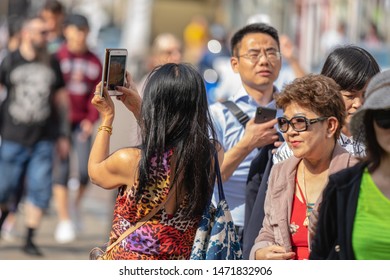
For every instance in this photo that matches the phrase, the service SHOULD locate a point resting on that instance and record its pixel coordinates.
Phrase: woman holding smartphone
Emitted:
(173, 165)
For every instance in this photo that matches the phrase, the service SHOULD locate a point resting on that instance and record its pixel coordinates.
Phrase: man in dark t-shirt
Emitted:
(33, 122)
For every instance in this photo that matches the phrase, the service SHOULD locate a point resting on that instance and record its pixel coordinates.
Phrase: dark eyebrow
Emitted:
(254, 50)
(259, 50)
(271, 49)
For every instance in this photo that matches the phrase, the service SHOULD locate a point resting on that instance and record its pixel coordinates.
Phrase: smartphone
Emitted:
(114, 70)
(264, 114)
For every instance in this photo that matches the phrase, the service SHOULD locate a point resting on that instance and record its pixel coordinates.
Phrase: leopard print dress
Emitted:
(164, 236)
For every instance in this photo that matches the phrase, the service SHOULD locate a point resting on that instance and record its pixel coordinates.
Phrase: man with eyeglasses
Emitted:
(256, 58)
(33, 118)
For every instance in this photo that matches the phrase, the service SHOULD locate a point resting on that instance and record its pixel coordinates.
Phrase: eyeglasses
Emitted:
(272, 55)
(382, 118)
(298, 123)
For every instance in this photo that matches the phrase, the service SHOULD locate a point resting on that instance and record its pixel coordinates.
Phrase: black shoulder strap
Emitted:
(237, 112)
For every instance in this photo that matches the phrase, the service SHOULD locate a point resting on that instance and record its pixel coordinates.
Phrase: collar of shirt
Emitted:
(243, 96)
(345, 139)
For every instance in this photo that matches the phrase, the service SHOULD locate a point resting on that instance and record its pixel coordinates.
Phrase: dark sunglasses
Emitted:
(382, 118)
(298, 123)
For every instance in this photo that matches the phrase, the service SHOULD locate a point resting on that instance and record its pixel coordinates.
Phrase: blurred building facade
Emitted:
(134, 23)
(306, 21)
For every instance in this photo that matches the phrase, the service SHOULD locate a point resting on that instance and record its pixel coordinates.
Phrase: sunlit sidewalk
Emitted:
(96, 215)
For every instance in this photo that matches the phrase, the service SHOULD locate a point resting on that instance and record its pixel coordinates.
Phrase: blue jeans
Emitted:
(81, 148)
(31, 164)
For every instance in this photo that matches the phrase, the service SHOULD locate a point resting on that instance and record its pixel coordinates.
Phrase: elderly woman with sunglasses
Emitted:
(314, 113)
(354, 218)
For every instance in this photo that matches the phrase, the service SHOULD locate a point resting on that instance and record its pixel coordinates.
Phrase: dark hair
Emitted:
(54, 7)
(374, 151)
(317, 93)
(175, 115)
(252, 28)
(351, 67)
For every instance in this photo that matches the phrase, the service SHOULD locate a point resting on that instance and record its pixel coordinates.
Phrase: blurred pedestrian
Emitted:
(33, 119)
(354, 218)
(14, 29)
(166, 48)
(53, 13)
(333, 38)
(174, 164)
(82, 71)
(195, 37)
(373, 38)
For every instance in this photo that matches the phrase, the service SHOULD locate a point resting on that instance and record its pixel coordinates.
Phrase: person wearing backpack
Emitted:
(256, 58)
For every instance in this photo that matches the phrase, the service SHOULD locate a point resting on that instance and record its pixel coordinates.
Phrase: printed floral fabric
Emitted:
(164, 236)
(216, 238)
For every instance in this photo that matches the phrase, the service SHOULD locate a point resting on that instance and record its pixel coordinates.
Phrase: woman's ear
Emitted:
(333, 125)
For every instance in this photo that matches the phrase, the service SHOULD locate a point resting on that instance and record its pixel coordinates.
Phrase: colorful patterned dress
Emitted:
(164, 236)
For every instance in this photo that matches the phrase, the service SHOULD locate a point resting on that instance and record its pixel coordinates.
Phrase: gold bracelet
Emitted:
(105, 128)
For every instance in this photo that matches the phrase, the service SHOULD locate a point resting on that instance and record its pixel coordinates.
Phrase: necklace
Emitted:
(309, 206)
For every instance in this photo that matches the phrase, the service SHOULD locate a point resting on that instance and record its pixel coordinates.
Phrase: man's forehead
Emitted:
(258, 38)
(36, 23)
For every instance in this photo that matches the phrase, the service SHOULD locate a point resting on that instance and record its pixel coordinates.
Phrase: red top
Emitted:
(81, 72)
(299, 232)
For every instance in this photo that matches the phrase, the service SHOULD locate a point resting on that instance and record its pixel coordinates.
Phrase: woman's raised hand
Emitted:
(103, 104)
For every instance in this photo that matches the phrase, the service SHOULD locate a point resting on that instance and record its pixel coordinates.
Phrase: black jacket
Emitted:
(333, 238)
(256, 189)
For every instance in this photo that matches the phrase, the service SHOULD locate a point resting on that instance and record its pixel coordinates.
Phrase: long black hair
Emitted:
(175, 115)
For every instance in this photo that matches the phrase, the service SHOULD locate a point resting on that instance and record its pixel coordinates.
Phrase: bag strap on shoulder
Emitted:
(221, 194)
(236, 111)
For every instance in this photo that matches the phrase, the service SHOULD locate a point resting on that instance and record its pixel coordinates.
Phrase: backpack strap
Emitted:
(236, 111)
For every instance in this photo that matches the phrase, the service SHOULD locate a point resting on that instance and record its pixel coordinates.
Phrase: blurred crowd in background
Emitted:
(202, 29)
(198, 31)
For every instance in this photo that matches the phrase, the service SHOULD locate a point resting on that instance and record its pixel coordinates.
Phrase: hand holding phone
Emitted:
(264, 114)
(114, 70)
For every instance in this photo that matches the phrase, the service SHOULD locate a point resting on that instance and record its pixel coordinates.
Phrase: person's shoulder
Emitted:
(287, 164)
(341, 158)
(11, 57)
(217, 106)
(130, 151)
(285, 168)
(129, 156)
(218, 110)
(348, 175)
